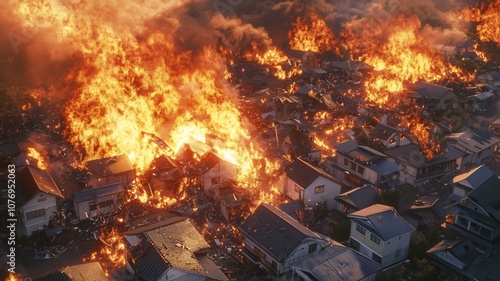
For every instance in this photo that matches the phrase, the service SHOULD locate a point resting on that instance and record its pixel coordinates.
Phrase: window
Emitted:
(93, 206)
(215, 180)
(353, 166)
(361, 169)
(35, 214)
(360, 229)
(346, 163)
(319, 189)
(375, 239)
(354, 244)
(312, 248)
(377, 258)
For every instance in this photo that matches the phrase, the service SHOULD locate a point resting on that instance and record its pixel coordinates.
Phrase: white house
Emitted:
(274, 240)
(214, 170)
(310, 185)
(467, 182)
(381, 234)
(36, 199)
(388, 136)
(98, 200)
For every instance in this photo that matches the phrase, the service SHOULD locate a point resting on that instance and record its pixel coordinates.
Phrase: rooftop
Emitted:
(267, 227)
(81, 272)
(304, 173)
(360, 197)
(431, 91)
(31, 180)
(474, 140)
(474, 178)
(382, 220)
(98, 192)
(382, 131)
(110, 166)
(338, 263)
(411, 155)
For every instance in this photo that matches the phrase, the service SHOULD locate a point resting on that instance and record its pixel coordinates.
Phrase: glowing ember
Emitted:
(274, 58)
(112, 254)
(13, 277)
(34, 154)
(419, 128)
(311, 33)
(487, 16)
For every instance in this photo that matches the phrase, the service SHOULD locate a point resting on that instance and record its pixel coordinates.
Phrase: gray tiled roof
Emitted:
(410, 154)
(431, 91)
(382, 220)
(97, 192)
(474, 177)
(112, 165)
(31, 180)
(338, 263)
(274, 232)
(360, 198)
(474, 140)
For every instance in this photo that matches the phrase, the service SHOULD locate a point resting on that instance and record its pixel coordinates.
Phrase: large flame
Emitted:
(311, 33)
(487, 16)
(34, 154)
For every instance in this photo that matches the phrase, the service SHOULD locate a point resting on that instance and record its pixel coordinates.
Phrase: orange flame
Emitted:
(487, 16)
(13, 277)
(274, 58)
(34, 154)
(112, 253)
(311, 33)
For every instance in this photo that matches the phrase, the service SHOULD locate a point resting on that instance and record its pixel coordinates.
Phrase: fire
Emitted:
(34, 154)
(402, 55)
(112, 253)
(311, 33)
(419, 128)
(480, 53)
(13, 277)
(332, 133)
(274, 58)
(488, 28)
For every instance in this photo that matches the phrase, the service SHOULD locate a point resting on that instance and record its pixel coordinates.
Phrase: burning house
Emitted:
(111, 170)
(36, 198)
(98, 201)
(214, 171)
(169, 250)
(435, 97)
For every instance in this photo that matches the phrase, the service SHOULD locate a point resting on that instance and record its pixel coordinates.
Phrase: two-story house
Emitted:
(417, 169)
(106, 171)
(98, 200)
(435, 97)
(381, 234)
(274, 240)
(214, 170)
(478, 216)
(36, 199)
(356, 165)
(478, 147)
(387, 137)
(357, 199)
(310, 185)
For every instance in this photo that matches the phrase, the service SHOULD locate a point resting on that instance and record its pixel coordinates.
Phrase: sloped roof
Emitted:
(382, 220)
(111, 165)
(474, 140)
(474, 177)
(463, 250)
(97, 192)
(431, 91)
(349, 65)
(487, 195)
(32, 180)
(274, 232)
(80, 272)
(292, 208)
(9, 150)
(338, 263)
(360, 197)
(362, 153)
(382, 131)
(304, 173)
(410, 154)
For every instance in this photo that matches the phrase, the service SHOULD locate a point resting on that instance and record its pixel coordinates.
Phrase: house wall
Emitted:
(386, 249)
(443, 104)
(38, 201)
(223, 170)
(399, 140)
(331, 189)
(300, 253)
(84, 206)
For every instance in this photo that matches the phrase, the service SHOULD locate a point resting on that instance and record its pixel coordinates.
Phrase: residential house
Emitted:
(464, 183)
(171, 249)
(490, 77)
(477, 216)
(494, 128)
(274, 240)
(381, 234)
(214, 171)
(232, 204)
(426, 211)
(456, 256)
(480, 102)
(388, 137)
(81, 272)
(417, 169)
(435, 97)
(477, 145)
(336, 263)
(310, 185)
(357, 199)
(36, 199)
(111, 170)
(98, 200)
(356, 165)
